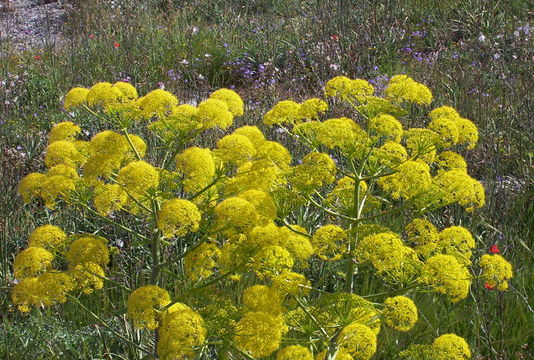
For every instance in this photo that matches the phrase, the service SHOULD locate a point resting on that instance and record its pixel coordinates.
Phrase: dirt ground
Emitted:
(26, 24)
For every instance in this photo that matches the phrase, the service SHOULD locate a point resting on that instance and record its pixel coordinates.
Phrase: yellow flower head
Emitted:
(391, 258)
(357, 340)
(298, 245)
(316, 170)
(330, 242)
(75, 97)
(49, 237)
(403, 88)
(178, 217)
(258, 334)
(386, 126)
(285, 111)
(294, 352)
(411, 178)
(467, 133)
(143, 305)
(457, 241)
(347, 89)
(459, 187)
(264, 204)
(262, 298)
(342, 133)
(129, 92)
(198, 167)
(109, 143)
(156, 103)
(275, 153)
(180, 333)
(30, 186)
(423, 236)
(400, 313)
(444, 112)
(201, 262)
(62, 152)
(232, 100)
(261, 236)
(65, 131)
(103, 94)
(449, 160)
(289, 282)
(63, 170)
(254, 134)
(55, 187)
(496, 271)
(88, 277)
(237, 214)
(137, 177)
(272, 260)
(109, 198)
(214, 113)
(391, 154)
(455, 347)
(447, 130)
(421, 143)
(312, 108)
(88, 248)
(26, 293)
(235, 149)
(447, 276)
(54, 287)
(31, 262)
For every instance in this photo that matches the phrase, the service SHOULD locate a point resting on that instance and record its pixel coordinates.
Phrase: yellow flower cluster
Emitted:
(290, 112)
(258, 333)
(496, 271)
(144, 305)
(201, 262)
(181, 332)
(294, 352)
(389, 256)
(445, 347)
(447, 276)
(234, 205)
(178, 217)
(348, 89)
(400, 313)
(122, 99)
(41, 284)
(403, 88)
(357, 340)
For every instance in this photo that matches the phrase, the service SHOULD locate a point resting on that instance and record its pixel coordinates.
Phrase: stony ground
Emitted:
(28, 24)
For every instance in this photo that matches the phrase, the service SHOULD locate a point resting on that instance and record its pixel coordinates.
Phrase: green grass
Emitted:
(195, 46)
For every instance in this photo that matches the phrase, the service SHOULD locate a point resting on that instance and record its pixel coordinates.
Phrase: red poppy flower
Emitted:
(117, 45)
(334, 37)
(37, 57)
(91, 36)
(488, 286)
(494, 249)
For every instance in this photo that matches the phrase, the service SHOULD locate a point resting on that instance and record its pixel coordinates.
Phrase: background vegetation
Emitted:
(475, 55)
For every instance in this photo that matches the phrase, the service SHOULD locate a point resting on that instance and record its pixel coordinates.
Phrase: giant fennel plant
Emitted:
(254, 252)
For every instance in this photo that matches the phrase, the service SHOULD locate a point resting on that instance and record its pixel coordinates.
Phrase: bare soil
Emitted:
(30, 24)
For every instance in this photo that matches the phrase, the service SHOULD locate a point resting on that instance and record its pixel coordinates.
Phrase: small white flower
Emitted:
(481, 38)
(334, 67)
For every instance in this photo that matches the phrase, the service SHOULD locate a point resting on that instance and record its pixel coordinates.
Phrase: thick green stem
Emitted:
(155, 245)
